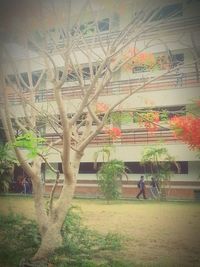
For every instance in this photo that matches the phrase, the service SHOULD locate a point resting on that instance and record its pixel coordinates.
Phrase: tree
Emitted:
(187, 128)
(59, 36)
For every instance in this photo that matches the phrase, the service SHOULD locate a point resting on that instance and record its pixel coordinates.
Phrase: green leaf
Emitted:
(30, 142)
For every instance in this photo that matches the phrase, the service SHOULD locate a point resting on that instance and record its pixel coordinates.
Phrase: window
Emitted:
(25, 78)
(165, 61)
(14, 78)
(11, 78)
(43, 171)
(177, 59)
(141, 68)
(81, 119)
(60, 167)
(35, 76)
(49, 174)
(162, 62)
(86, 71)
(89, 28)
(183, 167)
(173, 10)
(41, 127)
(60, 73)
(165, 113)
(136, 167)
(103, 25)
(87, 167)
(71, 77)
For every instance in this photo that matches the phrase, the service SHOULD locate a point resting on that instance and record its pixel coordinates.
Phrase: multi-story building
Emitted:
(175, 36)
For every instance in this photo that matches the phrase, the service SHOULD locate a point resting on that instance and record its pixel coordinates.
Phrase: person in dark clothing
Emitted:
(141, 186)
(179, 78)
(154, 188)
(26, 186)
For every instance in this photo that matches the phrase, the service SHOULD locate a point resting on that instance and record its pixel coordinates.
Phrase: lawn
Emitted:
(154, 233)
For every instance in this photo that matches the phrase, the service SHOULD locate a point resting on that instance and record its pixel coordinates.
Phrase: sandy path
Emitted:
(161, 232)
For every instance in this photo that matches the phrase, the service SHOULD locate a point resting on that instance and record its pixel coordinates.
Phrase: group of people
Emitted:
(154, 188)
(22, 185)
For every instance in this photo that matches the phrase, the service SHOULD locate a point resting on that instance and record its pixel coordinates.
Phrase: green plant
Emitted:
(109, 177)
(7, 161)
(32, 143)
(79, 239)
(105, 152)
(118, 118)
(19, 238)
(159, 162)
(81, 244)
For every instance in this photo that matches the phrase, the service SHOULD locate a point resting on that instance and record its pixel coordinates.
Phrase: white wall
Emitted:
(132, 152)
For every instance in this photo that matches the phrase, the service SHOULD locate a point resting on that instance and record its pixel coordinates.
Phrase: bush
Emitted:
(19, 239)
(80, 244)
(7, 161)
(109, 177)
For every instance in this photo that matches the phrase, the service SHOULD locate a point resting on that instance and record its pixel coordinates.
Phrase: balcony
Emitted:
(129, 137)
(166, 27)
(119, 87)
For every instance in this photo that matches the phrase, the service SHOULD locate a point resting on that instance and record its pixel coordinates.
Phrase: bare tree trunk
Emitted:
(51, 240)
(51, 235)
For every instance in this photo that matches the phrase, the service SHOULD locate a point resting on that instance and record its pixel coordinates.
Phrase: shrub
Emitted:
(109, 177)
(7, 161)
(80, 244)
(19, 240)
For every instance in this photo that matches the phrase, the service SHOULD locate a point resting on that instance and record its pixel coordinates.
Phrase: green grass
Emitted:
(153, 234)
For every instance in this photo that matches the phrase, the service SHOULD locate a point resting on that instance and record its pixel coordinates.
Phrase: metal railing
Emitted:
(119, 87)
(132, 137)
(171, 25)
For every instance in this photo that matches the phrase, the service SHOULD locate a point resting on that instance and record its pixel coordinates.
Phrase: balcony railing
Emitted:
(136, 137)
(171, 25)
(132, 137)
(170, 81)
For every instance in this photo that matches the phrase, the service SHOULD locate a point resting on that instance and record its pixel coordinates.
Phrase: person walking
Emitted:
(141, 186)
(26, 186)
(179, 78)
(154, 188)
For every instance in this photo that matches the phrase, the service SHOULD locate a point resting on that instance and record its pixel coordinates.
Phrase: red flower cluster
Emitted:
(150, 120)
(198, 103)
(101, 107)
(113, 132)
(187, 128)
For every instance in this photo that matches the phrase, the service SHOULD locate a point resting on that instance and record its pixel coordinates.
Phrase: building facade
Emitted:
(173, 39)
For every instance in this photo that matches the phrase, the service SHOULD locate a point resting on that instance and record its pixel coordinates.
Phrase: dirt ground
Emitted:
(167, 233)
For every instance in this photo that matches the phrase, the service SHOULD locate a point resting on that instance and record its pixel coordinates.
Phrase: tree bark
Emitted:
(51, 240)
(51, 234)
